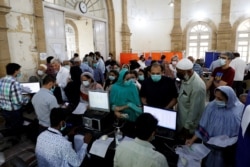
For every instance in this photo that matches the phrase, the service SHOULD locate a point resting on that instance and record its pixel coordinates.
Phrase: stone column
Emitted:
(4, 46)
(111, 27)
(176, 33)
(39, 27)
(224, 34)
(125, 29)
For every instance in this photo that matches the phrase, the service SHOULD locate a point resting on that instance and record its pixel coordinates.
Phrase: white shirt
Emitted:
(54, 150)
(62, 79)
(138, 153)
(239, 67)
(44, 101)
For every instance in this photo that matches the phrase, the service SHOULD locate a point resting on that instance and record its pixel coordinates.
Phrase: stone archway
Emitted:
(234, 30)
(194, 22)
(70, 22)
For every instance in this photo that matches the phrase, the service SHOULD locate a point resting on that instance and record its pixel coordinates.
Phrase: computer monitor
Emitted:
(166, 118)
(99, 100)
(30, 87)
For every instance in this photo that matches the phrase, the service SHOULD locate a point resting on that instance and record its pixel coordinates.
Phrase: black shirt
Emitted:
(159, 94)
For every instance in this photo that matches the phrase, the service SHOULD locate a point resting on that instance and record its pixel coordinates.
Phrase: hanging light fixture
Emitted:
(171, 3)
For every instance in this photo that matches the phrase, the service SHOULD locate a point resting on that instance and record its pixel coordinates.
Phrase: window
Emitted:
(70, 40)
(243, 40)
(199, 40)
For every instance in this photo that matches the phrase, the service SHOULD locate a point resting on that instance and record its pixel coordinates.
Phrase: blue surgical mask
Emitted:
(111, 78)
(220, 103)
(156, 77)
(94, 65)
(126, 83)
(141, 77)
(63, 127)
(18, 75)
(133, 80)
(52, 89)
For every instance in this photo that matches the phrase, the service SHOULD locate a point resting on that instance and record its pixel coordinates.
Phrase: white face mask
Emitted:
(85, 83)
(40, 72)
(222, 62)
(174, 62)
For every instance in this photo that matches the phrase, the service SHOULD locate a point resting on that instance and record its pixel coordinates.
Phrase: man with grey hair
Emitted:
(221, 76)
(191, 99)
(62, 77)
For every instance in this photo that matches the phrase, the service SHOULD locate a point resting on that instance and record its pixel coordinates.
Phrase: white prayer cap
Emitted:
(184, 64)
(44, 66)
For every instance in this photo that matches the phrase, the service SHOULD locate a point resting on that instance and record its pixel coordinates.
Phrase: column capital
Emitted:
(4, 9)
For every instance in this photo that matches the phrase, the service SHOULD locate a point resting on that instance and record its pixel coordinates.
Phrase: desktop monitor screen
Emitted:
(30, 87)
(166, 118)
(99, 100)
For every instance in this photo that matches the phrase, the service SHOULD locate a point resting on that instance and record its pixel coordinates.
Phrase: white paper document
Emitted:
(222, 141)
(81, 108)
(100, 147)
(191, 156)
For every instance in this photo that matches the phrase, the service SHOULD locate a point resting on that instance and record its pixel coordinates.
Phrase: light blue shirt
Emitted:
(101, 65)
(44, 101)
(138, 153)
(54, 150)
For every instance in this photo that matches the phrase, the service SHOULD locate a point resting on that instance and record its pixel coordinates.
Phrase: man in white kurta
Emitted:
(191, 99)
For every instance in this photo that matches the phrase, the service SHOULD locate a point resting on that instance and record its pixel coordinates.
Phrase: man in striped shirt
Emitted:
(11, 98)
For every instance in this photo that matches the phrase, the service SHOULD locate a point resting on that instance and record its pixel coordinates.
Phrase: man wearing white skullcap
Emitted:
(191, 99)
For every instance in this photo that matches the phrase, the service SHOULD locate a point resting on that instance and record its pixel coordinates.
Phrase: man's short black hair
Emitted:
(48, 79)
(236, 54)
(11, 68)
(57, 115)
(145, 125)
(76, 55)
(156, 64)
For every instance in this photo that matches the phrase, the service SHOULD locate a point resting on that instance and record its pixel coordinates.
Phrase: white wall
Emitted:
(199, 10)
(85, 36)
(239, 8)
(150, 23)
(21, 37)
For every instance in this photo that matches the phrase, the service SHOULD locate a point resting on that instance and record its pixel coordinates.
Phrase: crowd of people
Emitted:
(177, 85)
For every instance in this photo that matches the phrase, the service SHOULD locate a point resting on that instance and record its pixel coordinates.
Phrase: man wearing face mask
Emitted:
(221, 76)
(158, 90)
(191, 99)
(44, 101)
(41, 72)
(11, 98)
(53, 149)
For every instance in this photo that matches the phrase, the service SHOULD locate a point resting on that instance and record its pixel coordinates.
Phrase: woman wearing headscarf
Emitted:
(124, 97)
(222, 116)
(88, 83)
(243, 143)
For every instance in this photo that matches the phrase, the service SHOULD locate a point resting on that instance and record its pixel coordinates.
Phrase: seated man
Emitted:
(52, 149)
(44, 101)
(140, 152)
